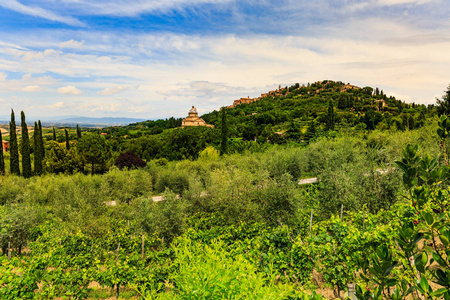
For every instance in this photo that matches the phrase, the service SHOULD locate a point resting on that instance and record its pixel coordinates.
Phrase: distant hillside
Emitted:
(101, 121)
(73, 120)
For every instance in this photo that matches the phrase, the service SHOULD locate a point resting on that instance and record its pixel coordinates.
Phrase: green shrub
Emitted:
(174, 180)
(281, 161)
(217, 272)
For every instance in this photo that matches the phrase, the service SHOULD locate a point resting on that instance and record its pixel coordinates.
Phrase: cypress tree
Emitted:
(78, 132)
(54, 134)
(41, 140)
(67, 139)
(37, 151)
(330, 116)
(224, 143)
(2, 160)
(25, 148)
(311, 131)
(13, 148)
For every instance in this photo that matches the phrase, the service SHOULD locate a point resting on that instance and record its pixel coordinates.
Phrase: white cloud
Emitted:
(69, 90)
(57, 105)
(115, 107)
(31, 55)
(71, 44)
(32, 88)
(201, 89)
(39, 12)
(113, 90)
(3, 76)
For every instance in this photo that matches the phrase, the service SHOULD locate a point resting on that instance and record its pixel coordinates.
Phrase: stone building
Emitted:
(5, 146)
(193, 119)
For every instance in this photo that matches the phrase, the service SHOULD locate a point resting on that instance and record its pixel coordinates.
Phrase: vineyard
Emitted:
(239, 226)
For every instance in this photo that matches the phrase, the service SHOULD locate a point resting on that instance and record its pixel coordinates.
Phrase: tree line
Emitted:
(91, 150)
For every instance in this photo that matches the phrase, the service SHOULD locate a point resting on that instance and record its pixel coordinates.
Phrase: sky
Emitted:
(154, 59)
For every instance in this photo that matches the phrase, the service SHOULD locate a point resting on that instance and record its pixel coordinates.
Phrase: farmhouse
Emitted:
(193, 119)
(5, 146)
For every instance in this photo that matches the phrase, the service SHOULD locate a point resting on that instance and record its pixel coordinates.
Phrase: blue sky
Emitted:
(155, 59)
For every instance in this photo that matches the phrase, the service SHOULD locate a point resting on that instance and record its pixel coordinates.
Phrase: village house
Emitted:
(5, 146)
(193, 119)
(380, 104)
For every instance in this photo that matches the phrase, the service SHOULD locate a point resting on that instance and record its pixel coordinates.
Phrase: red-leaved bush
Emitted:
(129, 160)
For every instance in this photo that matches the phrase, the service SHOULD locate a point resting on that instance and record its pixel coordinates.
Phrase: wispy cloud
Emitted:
(398, 2)
(113, 90)
(39, 12)
(133, 8)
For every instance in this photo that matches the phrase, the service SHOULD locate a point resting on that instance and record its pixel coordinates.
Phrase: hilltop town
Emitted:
(286, 91)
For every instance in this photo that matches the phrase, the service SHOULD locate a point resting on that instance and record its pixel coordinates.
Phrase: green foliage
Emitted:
(94, 150)
(423, 177)
(78, 132)
(215, 272)
(61, 160)
(236, 225)
(174, 180)
(2, 158)
(443, 105)
(224, 132)
(147, 147)
(331, 118)
(209, 154)
(66, 133)
(289, 161)
(41, 141)
(187, 143)
(16, 223)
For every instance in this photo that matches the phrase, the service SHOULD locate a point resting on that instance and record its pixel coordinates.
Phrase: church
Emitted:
(193, 119)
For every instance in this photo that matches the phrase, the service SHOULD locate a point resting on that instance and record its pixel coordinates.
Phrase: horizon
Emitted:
(155, 59)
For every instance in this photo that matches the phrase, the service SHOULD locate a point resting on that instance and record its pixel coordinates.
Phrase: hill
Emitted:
(290, 111)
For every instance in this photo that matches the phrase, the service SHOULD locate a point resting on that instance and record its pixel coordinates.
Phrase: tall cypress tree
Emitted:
(67, 139)
(330, 116)
(41, 140)
(37, 151)
(54, 134)
(25, 148)
(13, 148)
(78, 132)
(2, 160)
(224, 143)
